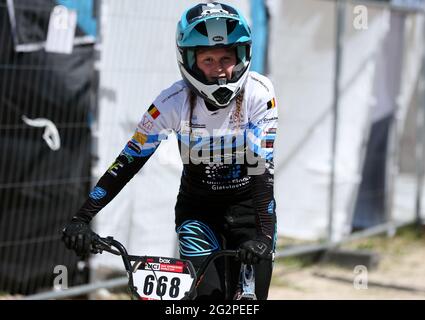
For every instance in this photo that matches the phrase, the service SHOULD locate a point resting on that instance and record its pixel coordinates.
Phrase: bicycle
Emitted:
(165, 278)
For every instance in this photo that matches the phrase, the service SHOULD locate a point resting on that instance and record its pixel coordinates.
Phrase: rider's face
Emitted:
(216, 63)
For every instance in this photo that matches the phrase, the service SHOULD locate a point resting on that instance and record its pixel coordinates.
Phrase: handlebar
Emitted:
(108, 244)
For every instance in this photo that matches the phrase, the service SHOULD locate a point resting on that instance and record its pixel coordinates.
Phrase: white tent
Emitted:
(138, 61)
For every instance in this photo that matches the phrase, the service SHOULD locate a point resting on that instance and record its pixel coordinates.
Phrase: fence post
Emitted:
(420, 140)
(339, 37)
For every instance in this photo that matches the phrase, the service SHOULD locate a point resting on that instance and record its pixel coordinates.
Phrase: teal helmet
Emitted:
(213, 25)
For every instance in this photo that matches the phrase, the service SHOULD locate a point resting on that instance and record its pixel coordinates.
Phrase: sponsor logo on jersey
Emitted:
(146, 125)
(154, 112)
(140, 138)
(268, 143)
(113, 169)
(271, 104)
(134, 147)
(235, 184)
(197, 125)
(129, 158)
(271, 131)
(97, 193)
(268, 139)
(266, 120)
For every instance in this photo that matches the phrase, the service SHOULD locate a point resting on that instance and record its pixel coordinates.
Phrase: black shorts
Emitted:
(207, 226)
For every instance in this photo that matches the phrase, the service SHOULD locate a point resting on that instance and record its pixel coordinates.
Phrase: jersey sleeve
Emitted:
(261, 136)
(156, 124)
(263, 122)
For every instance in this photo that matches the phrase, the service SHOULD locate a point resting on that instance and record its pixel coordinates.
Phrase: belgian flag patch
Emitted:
(154, 112)
(271, 104)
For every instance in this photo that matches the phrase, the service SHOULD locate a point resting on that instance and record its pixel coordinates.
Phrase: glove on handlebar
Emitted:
(78, 236)
(253, 251)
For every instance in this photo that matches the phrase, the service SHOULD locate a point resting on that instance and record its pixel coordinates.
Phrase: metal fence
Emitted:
(46, 101)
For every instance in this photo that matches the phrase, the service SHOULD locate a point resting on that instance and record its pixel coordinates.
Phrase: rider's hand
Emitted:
(252, 251)
(78, 236)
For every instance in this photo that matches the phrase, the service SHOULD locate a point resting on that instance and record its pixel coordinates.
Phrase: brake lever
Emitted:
(100, 244)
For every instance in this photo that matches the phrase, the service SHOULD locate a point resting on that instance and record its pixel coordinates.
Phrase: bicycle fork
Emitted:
(246, 286)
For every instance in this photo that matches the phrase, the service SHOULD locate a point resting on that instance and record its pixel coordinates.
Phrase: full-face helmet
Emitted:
(213, 25)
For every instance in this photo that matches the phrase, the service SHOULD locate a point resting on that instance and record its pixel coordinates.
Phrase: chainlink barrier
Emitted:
(47, 99)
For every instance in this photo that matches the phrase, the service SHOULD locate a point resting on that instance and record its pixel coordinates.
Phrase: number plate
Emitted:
(163, 278)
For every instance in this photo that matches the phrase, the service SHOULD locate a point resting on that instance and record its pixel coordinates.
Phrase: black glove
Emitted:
(252, 251)
(78, 236)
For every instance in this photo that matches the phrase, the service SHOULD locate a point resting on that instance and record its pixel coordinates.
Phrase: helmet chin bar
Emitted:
(222, 95)
(218, 95)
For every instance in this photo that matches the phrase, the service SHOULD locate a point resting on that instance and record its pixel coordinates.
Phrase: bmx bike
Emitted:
(165, 278)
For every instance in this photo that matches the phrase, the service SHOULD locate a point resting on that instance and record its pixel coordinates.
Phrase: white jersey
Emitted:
(227, 153)
(214, 144)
